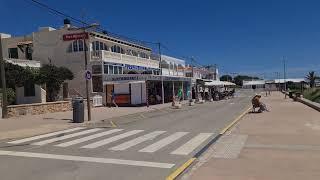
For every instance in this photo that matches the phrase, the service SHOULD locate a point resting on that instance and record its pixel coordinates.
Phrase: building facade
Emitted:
(125, 71)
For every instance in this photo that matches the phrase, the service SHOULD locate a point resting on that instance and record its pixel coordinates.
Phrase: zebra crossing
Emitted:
(120, 140)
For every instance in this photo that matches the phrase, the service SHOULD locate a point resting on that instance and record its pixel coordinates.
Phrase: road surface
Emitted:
(142, 146)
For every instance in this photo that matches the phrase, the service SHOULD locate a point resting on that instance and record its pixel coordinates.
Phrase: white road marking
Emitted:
(111, 139)
(87, 159)
(84, 139)
(163, 142)
(192, 144)
(45, 135)
(40, 143)
(136, 141)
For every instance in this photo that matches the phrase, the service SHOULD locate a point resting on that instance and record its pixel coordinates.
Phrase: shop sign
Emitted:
(139, 77)
(75, 36)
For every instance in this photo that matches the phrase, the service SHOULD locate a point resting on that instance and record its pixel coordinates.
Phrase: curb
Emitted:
(309, 103)
(191, 161)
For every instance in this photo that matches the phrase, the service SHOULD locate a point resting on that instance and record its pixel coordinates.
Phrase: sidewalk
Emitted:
(281, 144)
(30, 125)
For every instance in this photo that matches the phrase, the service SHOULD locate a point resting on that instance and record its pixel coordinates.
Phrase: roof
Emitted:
(250, 83)
(219, 83)
(296, 80)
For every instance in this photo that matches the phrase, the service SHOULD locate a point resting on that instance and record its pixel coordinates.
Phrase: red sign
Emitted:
(70, 37)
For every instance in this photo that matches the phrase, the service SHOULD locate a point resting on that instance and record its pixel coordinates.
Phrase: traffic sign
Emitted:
(88, 75)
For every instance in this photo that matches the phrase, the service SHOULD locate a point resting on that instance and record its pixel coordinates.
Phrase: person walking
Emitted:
(113, 99)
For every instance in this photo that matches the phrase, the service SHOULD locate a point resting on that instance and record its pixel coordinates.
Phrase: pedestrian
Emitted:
(180, 95)
(256, 103)
(113, 99)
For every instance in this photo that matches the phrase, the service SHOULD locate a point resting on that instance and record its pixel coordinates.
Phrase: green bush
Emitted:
(11, 95)
(312, 94)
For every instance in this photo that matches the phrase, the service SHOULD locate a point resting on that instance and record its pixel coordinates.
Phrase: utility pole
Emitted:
(86, 35)
(86, 69)
(160, 60)
(284, 73)
(4, 86)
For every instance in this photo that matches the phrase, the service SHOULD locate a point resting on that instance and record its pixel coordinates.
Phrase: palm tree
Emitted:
(311, 77)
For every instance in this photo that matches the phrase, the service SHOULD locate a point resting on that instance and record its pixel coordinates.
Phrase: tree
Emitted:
(311, 77)
(226, 78)
(17, 75)
(53, 77)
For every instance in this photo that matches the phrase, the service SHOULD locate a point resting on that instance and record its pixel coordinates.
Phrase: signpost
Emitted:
(88, 75)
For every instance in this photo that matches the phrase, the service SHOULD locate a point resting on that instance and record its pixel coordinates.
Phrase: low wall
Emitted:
(39, 108)
(309, 103)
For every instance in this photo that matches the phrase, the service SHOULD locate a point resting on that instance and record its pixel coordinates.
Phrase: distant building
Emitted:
(279, 84)
(254, 84)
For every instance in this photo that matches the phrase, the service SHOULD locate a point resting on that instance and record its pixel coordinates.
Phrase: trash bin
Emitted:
(78, 110)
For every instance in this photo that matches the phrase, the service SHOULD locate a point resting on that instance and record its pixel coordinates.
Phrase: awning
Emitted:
(122, 82)
(227, 83)
(214, 83)
(24, 43)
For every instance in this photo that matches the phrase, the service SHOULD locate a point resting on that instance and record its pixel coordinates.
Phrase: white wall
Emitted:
(40, 96)
(121, 88)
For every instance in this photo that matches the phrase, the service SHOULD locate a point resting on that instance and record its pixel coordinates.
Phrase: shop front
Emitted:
(143, 89)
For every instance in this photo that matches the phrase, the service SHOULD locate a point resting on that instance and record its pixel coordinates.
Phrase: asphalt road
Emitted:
(143, 146)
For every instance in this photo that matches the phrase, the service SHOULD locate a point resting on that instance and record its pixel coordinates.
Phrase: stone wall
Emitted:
(39, 108)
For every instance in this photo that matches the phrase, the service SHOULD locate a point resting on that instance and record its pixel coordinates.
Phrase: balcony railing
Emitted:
(108, 56)
(24, 62)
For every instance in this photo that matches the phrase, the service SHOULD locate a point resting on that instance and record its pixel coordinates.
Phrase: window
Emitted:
(97, 84)
(106, 69)
(106, 47)
(117, 49)
(29, 89)
(134, 53)
(13, 53)
(110, 69)
(97, 46)
(80, 43)
(96, 69)
(75, 46)
(120, 70)
(115, 70)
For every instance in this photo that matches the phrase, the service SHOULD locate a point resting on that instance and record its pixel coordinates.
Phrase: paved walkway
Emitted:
(281, 144)
(30, 125)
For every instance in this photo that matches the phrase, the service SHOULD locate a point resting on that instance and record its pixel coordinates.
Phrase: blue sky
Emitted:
(240, 36)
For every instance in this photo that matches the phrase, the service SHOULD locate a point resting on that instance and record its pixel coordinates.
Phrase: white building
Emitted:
(171, 66)
(120, 66)
(254, 84)
(19, 53)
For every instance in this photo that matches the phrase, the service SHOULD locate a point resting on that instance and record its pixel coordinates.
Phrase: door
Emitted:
(136, 96)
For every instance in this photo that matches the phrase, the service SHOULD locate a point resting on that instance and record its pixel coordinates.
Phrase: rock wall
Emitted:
(39, 108)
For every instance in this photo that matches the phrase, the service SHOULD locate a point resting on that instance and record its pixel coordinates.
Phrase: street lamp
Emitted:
(93, 25)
